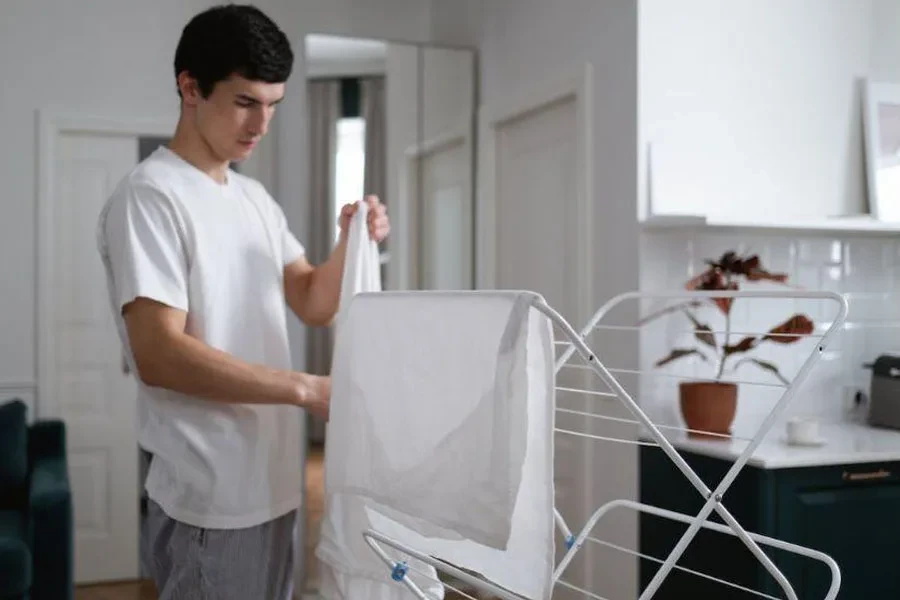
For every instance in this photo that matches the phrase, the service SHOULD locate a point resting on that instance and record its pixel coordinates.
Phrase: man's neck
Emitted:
(192, 148)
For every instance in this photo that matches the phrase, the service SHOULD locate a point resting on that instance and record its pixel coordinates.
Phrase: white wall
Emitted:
(526, 43)
(754, 111)
(457, 22)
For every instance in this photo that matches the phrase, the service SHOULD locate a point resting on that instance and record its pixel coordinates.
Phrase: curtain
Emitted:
(323, 109)
(373, 111)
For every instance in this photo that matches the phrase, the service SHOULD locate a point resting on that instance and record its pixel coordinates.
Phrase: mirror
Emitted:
(395, 120)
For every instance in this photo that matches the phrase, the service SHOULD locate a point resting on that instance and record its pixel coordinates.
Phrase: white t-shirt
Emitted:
(171, 233)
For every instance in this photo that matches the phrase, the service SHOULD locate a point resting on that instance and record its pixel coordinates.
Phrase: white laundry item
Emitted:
(362, 266)
(346, 515)
(448, 398)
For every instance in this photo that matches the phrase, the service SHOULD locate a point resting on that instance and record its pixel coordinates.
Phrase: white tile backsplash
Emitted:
(866, 270)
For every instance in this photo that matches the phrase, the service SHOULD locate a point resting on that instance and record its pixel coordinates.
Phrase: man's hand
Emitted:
(378, 221)
(316, 394)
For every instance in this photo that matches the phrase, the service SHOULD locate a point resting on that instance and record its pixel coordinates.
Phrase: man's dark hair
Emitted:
(233, 39)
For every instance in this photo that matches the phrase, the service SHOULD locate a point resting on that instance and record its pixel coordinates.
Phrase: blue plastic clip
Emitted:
(570, 541)
(399, 571)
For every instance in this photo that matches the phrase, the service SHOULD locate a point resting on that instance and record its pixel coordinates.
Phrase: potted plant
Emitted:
(710, 406)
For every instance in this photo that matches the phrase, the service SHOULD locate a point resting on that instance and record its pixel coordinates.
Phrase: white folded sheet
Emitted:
(441, 431)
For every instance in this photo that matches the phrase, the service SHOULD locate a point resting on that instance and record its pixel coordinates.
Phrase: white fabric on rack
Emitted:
(448, 400)
(346, 516)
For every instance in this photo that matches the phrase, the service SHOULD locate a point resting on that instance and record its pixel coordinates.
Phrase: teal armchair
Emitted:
(36, 523)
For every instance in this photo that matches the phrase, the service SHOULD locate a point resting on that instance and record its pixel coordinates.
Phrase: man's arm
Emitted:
(314, 292)
(168, 357)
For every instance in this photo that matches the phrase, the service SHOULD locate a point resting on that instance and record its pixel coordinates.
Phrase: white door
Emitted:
(447, 217)
(535, 157)
(86, 379)
(536, 246)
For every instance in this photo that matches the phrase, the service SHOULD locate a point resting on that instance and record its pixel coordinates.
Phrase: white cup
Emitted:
(803, 432)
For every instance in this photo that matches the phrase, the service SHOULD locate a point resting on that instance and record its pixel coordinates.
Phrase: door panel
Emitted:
(95, 398)
(535, 250)
(447, 209)
(854, 523)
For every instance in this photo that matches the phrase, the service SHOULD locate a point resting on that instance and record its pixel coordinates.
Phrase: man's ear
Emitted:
(190, 90)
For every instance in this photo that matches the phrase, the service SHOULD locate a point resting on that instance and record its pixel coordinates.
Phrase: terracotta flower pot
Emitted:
(709, 407)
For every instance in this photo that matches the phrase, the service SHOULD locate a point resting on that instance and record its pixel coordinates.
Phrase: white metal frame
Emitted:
(576, 346)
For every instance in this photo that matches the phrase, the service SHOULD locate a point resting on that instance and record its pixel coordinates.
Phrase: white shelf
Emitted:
(862, 224)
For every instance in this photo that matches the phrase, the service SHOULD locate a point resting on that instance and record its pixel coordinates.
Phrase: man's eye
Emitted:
(244, 104)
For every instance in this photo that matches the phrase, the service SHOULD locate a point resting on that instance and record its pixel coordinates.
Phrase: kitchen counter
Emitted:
(842, 444)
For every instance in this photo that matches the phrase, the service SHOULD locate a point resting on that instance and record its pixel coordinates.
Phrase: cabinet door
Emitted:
(711, 553)
(853, 515)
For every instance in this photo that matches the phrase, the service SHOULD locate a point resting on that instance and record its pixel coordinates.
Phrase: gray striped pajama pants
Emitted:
(191, 563)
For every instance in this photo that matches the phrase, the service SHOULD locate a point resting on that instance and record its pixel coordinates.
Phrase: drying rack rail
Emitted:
(574, 345)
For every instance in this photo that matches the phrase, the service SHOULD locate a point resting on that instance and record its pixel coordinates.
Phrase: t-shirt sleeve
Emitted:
(291, 248)
(145, 248)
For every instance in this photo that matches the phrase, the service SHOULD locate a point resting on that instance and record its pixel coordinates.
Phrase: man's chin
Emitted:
(240, 154)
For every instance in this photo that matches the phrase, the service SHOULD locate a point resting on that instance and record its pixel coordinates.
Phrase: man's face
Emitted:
(235, 116)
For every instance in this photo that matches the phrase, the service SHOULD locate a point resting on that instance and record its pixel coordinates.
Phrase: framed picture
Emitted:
(882, 140)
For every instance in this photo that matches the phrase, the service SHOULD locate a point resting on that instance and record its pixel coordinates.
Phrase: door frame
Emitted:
(51, 125)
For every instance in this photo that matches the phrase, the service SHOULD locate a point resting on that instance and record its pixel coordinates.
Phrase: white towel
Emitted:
(346, 516)
(448, 400)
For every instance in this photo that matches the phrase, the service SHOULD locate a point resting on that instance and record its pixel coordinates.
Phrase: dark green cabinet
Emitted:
(850, 512)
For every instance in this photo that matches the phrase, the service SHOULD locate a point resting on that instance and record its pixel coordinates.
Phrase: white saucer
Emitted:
(816, 443)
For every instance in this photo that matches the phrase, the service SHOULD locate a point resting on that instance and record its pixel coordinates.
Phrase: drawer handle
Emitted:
(879, 474)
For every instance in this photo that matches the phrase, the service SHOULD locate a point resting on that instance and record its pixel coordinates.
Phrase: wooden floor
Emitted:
(119, 591)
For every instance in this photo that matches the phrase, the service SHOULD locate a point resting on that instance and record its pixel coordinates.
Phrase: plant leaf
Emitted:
(680, 353)
(791, 330)
(768, 366)
(744, 345)
(702, 331)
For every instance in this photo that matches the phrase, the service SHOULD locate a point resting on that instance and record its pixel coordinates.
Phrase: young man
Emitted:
(200, 264)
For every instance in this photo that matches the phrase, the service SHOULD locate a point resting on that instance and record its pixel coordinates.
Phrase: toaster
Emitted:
(884, 396)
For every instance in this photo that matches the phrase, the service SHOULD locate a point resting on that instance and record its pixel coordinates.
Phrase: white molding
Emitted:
(406, 212)
(17, 385)
(51, 124)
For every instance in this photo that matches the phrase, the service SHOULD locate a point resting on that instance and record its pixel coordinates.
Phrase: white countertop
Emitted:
(842, 443)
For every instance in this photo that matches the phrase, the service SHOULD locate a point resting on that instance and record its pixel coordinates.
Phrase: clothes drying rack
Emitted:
(574, 346)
